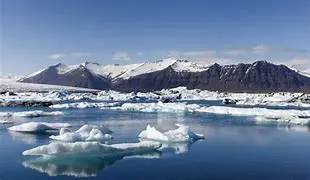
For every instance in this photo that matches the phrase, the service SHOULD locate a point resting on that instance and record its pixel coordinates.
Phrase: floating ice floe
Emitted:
(84, 105)
(181, 134)
(6, 121)
(301, 117)
(38, 127)
(85, 133)
(152, 107)
(115, 96)
(36, 113)
(92, 149)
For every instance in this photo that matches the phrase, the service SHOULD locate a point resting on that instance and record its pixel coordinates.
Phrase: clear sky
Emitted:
(38, 33)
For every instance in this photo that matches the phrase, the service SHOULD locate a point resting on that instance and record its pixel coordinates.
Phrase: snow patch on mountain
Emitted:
(181, 66)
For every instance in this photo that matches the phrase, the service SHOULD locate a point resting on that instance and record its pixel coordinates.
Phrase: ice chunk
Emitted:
(291, 116)
(37, 113)
(92, 149)
(6, 121)
(37, 127)
(181, 134)
(153, 107)
(85, 133)
(84, 105)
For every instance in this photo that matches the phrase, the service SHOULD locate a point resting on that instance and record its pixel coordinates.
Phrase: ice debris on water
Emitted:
(38, 127)
(181, 134)
(92, 149)
(36, 113)
(85, 133)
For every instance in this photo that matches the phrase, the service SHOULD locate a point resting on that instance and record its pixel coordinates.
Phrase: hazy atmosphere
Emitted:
(38, 33)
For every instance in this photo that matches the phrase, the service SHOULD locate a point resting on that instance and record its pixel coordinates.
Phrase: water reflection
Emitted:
(28, 138)
(78, 166)
(177, 148)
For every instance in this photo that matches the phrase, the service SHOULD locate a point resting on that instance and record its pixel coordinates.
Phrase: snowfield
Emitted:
(11, 84)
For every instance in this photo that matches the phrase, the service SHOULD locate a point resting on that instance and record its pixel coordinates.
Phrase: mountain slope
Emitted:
(75, 75)
(260, 76)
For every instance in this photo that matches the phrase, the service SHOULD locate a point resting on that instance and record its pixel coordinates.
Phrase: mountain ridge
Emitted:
(260, 76)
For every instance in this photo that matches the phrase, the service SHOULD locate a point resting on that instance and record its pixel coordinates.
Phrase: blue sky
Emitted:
(38, 33)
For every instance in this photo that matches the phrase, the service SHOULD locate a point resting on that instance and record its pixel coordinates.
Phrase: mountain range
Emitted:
(260, 76)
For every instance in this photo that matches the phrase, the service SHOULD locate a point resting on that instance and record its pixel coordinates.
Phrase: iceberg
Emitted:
(181, 134)
(6, 121)
(85, 133)
(92, 149)
(114, 96)
(83, 105)
(291, 116)
(153, 107)
(37, 113)
(300, 117)
(37, 127)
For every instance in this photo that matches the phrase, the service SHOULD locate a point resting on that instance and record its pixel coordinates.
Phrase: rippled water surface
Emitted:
(234, 148)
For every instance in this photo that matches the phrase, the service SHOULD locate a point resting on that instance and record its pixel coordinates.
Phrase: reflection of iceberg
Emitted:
(178, 148)
(24, 137)
(80, 166)
(181, 134)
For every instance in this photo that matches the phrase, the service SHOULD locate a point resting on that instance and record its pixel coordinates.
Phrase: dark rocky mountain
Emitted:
(260, 76)
(77, 77)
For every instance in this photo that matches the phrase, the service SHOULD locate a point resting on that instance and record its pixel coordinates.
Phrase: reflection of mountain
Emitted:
(79, 166)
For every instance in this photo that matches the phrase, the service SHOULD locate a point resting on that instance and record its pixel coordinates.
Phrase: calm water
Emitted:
(235, 148)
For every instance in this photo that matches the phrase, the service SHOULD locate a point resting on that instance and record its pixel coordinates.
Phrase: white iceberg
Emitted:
(83, 105)
(85, 133)
(181, 134)
(291, 116)
(6, 121)
(37, 127)
(114, 96)
(301, 117)
(153, 107)
(92, 149)
(36, 113)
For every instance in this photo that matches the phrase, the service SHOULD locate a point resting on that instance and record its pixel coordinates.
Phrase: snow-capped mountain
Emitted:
(260, 76)
(302, 72)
